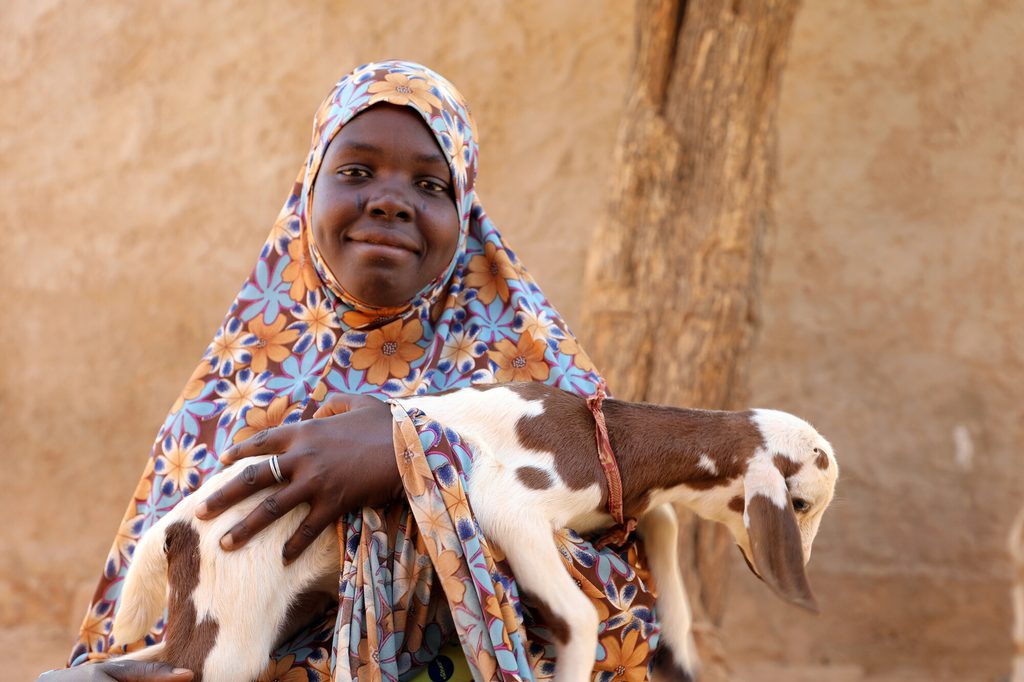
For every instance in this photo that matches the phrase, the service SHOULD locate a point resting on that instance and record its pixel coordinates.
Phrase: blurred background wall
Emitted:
(147, 148)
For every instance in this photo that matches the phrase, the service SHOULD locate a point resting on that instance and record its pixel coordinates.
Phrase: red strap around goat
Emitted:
(618, 533)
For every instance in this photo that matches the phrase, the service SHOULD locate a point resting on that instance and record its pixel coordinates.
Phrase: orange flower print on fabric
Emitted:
(357, 319)
(320, 392)
(626, 659)
(486, 664)
(94, 629)
(415, 480)
(285, 229)
(493, 608)
(415, 384)
(230, 348)
(319, 319)
(456, 143)
(522, 361)
(457, 504)
(570, 346)
(462, 349)
(447, 565)
(300, 272)
(389, 350)
(260, 419)
(283, 670)
(247, 391)
(596, 595)
(145, 484)
(194, 385)
(319, 664)
(124, 542)
(538, 324)
(271, 341)
(178, 465)
(488, 273)
(397, 88)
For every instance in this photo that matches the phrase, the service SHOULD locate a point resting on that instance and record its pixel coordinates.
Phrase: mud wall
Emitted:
(146, 150)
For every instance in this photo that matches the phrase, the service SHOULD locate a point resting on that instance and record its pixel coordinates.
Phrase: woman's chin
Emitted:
(380, 286)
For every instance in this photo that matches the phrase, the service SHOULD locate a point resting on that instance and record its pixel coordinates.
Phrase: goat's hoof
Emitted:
(668, 668)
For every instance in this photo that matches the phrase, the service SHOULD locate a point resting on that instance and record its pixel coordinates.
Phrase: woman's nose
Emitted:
(390, 203)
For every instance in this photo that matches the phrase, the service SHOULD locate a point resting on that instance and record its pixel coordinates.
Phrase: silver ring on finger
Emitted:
(275, 469)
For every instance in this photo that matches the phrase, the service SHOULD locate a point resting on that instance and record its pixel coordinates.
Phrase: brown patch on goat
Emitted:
(666, 455)
(821, 461)
(558, 626)
(534, 478)
(786, 466)
(668, 452)
(566, 430)
(634, 507)
(188, 642)
(665, 663)
(737, 504)
(307, 607)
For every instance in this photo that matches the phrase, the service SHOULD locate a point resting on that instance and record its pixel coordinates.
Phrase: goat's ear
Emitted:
(775, 542)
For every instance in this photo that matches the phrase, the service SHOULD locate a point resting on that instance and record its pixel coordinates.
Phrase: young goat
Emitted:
(767, 475)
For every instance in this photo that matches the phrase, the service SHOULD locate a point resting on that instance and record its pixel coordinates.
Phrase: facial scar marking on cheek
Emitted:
(360, 202)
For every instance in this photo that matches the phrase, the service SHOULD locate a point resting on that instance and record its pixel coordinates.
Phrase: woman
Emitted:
(382, 276)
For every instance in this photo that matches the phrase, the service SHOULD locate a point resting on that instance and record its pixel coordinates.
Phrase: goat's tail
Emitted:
(144, 590)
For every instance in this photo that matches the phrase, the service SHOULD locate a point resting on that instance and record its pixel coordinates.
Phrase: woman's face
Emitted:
(383, 213)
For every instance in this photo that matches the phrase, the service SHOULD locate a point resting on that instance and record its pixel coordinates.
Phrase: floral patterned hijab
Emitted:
(293, 334)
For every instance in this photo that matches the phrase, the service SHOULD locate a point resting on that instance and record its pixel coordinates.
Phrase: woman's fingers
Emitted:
(335, 404)
(253, 478)
(338, 403)
(263, 443)
(144, 671)
(269, 510)
(316, 522)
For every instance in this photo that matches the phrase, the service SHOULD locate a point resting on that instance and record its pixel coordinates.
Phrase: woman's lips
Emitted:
(390, 240)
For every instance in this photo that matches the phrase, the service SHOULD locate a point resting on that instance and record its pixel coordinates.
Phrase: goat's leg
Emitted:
(676, 658)
(530, 548)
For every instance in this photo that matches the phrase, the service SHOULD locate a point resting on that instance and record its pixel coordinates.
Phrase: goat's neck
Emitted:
(662, 448)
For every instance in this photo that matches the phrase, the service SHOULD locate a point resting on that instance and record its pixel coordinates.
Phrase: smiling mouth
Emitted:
(390, 240)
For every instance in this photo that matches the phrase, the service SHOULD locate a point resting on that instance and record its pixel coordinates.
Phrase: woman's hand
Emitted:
(121, 671)
(340, 460)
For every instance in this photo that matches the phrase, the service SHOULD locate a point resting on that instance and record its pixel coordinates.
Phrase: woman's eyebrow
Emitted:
(357, 146)
(431, 157)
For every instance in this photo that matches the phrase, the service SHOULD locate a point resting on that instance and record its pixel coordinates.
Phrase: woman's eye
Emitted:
(354, 172)
(800, 505)
(432, 186)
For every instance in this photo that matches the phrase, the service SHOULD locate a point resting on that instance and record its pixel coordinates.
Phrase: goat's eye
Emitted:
(167, 544)
(800, 505)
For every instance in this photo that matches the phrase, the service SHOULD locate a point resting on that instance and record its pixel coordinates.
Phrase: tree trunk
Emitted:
(673, 280)
(1016, 546)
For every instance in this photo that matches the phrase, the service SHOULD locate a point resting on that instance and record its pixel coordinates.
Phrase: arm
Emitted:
(340, 460)
(119, 671)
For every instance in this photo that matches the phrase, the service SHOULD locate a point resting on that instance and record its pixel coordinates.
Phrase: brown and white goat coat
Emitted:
(535, 469)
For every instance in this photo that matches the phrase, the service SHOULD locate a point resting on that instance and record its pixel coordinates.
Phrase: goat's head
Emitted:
(788, 483)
